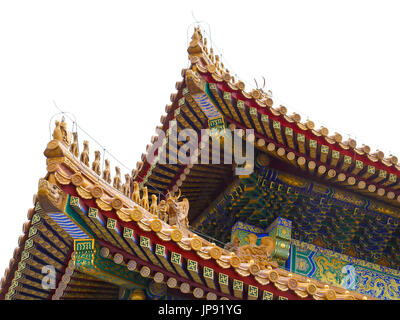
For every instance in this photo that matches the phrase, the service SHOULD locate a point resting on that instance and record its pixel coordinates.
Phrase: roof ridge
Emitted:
(205, 61)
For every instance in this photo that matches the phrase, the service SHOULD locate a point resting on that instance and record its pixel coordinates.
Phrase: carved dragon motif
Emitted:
(194, 82)
(50, 196)
(258, 254)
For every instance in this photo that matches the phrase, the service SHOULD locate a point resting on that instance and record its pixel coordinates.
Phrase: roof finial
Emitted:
(195, 46)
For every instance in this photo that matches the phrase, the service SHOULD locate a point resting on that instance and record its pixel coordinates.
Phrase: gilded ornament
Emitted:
(259, 254)
(57, 133)
(136, 192)
(61, 178)
(240, 84)
(50, 196)
(156, 225)
(74, 146)
(227, 77)
(211, 68)
(234, 261)
(126, 188)
(178, 211)
(136, 214)
(52, 145)
(77, 179)
(292, 284)
(66, 135)
(96, 163)
(103, 205)
(97, 191)
(330, 294)
(254, 268)
(116, 203)
(195, 244)
(194, 82)
(52, 167)
(273, 276)
(154, 206)
(117, 179)
(269, 102)
(176, 235)
(145, 199)
(83, 193)
(215, 253)
(85, 153)
(311, 288)
(106, 171)
(256, 94)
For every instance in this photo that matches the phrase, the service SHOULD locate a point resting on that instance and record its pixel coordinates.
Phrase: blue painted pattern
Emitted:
(206, 106)
(71, 228)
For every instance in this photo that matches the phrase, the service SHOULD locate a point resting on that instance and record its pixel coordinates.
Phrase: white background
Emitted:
(114, 64)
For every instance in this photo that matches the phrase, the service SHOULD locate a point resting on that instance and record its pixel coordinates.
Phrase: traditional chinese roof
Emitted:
(320, 155)
(367, 182)
(73, 204)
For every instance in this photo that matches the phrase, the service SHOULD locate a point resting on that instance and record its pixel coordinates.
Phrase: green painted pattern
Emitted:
(87, 259)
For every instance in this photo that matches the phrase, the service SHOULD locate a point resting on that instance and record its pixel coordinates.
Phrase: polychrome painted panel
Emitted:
(345, 271)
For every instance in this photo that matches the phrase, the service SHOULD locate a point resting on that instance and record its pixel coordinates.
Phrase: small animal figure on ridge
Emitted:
(153, 207)
(85, 153)
(106, 171)
(66, 136)
(145, 199)
(117, 179)
(96, 162)
(136, 192)
(126, 188)
(74, 146)
(57, 133)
